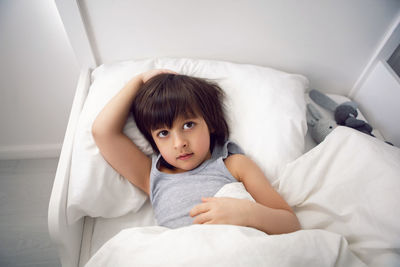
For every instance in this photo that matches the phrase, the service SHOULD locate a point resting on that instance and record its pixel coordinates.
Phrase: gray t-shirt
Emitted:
(174, 195)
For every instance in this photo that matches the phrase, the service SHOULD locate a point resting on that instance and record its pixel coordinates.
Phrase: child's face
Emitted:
(186, 145)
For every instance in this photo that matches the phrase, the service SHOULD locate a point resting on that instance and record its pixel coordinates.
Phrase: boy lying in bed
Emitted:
(182, 117)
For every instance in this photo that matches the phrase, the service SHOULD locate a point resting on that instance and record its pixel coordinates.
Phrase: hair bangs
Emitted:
(163, 114)
(169, 100)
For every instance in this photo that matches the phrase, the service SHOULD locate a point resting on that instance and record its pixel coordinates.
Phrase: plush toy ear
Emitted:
(323, 100)
(314, 112)
(313, 116)
(310, 119)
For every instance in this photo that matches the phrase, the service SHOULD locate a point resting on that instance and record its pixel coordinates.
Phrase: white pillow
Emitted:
(266, 114)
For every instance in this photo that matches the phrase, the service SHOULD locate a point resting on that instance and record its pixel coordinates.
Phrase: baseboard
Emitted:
(30, 151)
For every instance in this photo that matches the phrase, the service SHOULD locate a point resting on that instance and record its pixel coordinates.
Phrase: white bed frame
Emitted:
(65, 236)
(94, 28)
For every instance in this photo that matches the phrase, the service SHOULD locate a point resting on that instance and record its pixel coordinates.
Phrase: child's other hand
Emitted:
(151, 73)
(221, 210)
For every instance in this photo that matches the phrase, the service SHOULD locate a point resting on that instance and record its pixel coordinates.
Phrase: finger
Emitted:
(167, 71)
(202, 219)
(171, 71)
(207, 199)
(151, 73)
(198, 209)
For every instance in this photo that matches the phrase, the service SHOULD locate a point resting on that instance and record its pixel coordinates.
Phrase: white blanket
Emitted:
(345, 193)
(223, 245)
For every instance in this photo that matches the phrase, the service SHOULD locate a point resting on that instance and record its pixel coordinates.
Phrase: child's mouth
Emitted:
(185, 156)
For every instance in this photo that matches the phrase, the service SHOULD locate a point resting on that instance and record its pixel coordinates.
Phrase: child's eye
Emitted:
(188, 125)
(162, 134)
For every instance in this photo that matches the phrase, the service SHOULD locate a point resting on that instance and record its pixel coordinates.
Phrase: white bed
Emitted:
(348, 212)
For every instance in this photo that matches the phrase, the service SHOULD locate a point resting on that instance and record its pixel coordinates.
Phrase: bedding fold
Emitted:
(349, 184)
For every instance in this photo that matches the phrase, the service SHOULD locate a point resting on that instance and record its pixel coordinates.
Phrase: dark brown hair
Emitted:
(165, 97)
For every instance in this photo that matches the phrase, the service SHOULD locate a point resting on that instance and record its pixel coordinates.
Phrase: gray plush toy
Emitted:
(345, 114)
(319, 126)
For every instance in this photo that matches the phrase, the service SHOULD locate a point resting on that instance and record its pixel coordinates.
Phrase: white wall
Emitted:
(329, 41)
(38, 70)
(379, 97)
(378, 90)
(38, 74)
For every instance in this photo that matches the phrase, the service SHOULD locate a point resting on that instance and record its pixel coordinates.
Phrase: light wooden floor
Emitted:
(25, 187)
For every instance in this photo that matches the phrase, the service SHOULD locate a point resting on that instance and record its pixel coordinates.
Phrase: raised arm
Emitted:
(270, 213)
(118, 149)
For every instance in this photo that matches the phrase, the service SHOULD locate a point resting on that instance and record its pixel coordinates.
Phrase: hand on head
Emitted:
(151, 73)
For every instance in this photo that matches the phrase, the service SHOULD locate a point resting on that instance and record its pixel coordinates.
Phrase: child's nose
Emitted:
(179, 141)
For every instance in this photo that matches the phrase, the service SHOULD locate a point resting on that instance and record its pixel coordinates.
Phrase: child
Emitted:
(182, 118)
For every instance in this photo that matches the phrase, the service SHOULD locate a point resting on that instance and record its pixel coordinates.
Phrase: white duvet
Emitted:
(345, 193)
